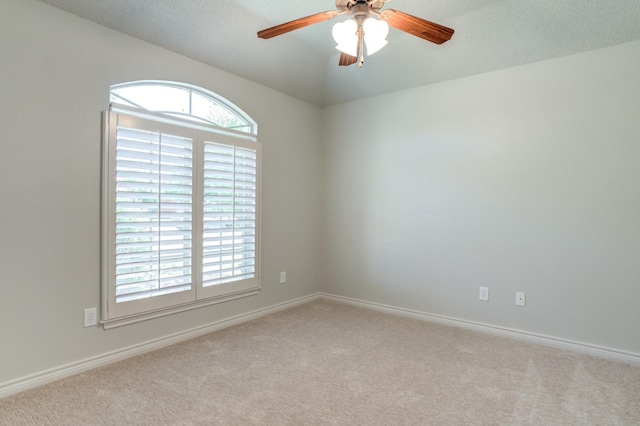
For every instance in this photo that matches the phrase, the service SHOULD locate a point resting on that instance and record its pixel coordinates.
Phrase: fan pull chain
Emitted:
(361, 44)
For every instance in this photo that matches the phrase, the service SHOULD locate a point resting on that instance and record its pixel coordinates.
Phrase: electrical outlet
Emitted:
(283, 277)
(484, 294)
(520, 298)
(90, 317)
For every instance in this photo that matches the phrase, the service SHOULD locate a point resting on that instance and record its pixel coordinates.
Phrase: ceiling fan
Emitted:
(367, 26)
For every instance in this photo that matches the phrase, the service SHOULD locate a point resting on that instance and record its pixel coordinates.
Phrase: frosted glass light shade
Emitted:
(350, 49)
(375, 33)
(344, 32)
(346, 35)
(376, 28)
(374, 45)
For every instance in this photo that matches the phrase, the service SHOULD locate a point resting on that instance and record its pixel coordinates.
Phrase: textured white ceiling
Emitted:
(490, 35)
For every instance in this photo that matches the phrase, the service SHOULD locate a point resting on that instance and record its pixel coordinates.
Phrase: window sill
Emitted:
(132, 319)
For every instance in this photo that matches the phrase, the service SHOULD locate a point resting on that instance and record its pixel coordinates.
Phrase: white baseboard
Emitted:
(585, 348)
(57, 373)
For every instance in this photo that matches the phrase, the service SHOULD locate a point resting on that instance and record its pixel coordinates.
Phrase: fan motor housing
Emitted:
(358, 6)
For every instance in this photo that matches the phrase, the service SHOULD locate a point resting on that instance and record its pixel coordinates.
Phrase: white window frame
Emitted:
(117, 314)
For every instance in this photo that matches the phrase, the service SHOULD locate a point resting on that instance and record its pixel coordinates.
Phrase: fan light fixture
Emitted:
(346, 35)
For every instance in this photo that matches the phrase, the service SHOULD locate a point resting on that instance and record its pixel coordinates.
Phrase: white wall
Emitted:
(526, 179)
(55, 73)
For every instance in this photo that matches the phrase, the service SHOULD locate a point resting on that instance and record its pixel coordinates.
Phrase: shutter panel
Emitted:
(153, 209)
(229, 214)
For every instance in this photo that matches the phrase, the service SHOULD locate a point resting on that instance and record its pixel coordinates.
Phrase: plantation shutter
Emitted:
(153, 216)
(230, 201)
(181, 224)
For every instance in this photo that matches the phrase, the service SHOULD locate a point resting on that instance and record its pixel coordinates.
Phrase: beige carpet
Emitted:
(326, 363)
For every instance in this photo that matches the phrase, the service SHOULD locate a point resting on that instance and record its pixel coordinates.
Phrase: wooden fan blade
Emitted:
(346, 60)
(297, 24)
(418, 27)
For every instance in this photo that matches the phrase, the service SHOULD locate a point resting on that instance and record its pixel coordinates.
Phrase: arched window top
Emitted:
(184, 101)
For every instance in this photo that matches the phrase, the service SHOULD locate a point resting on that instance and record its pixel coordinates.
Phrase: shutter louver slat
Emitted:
(153, 214)
(136, 295)
(131, 164)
